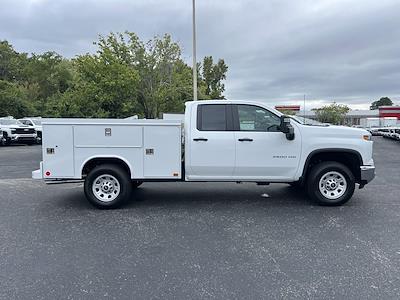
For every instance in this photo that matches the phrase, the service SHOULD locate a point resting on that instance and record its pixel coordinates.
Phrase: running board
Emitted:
(62, 181)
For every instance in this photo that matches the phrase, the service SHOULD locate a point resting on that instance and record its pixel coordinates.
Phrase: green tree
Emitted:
(45, 75)
(213, 76)
(11, 63)
(103, 87)
(125, 76)
(13, 100)
(381, 102)
(288, 112)
(333, 113)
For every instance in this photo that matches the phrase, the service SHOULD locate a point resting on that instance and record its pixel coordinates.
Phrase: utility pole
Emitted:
(194, 53)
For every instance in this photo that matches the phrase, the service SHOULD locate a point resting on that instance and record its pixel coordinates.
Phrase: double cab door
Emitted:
(240, 141)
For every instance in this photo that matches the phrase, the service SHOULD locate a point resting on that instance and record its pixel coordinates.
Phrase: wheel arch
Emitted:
(349, 157)
(94, 161)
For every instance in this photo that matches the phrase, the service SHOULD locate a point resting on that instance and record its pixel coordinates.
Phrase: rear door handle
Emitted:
(200, 139)
(245, 140)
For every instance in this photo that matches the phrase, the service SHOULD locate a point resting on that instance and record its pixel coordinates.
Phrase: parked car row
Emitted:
(23, 131)
(389, 132)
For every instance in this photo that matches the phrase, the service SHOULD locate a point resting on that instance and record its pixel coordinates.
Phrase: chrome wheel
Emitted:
(106, 188)
(332, 185)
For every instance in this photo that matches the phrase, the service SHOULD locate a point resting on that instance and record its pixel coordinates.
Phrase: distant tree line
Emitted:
(384, 101)
(333, 113)
(336, 113)
(126, 76)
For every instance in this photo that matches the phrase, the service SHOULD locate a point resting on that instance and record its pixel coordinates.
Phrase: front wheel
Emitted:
(107, 186)
(330, 184)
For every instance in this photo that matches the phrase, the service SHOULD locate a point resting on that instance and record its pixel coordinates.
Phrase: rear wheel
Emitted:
(107, 186)
(330, 183)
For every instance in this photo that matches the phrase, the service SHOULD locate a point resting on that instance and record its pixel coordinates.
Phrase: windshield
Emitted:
(306, 121)
(10, 122)
(26, 122)
(31, 121)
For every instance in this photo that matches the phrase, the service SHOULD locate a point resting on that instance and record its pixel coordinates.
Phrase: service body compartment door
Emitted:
(108, 136)
(58, 152)
(162, 152)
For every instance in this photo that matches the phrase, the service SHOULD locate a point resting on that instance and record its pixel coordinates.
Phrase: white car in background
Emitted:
(2, 139)
(16, 132)
(36, 123)
(396, 134)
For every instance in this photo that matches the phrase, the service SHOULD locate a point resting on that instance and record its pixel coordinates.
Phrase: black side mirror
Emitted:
(287, 128)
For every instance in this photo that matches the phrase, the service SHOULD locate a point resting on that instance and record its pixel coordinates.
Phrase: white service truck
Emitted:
(219, 141)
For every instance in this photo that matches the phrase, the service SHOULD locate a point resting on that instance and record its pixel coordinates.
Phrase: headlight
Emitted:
(366, 137)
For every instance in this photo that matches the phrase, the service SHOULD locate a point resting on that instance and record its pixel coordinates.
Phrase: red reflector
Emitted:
(47, 173)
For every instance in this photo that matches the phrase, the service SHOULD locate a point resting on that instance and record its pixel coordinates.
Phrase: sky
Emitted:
(347, 51)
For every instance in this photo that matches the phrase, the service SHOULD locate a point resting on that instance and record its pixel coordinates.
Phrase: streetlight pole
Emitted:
(194, 53)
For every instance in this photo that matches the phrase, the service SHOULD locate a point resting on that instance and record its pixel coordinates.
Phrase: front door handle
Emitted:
(200, 139)
(245, 140)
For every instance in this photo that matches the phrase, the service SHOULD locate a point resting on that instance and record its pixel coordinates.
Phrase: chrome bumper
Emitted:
(367, 174)
(23, 137)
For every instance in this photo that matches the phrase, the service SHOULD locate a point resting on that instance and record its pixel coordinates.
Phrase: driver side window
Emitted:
(255, 118)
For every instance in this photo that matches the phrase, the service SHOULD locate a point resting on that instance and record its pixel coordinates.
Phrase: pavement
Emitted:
(197, 240)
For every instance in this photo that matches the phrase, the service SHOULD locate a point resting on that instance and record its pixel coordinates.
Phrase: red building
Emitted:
(294, 108)
(389, 111)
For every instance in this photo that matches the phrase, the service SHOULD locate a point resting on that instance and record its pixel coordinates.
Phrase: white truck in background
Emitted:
(35, 123)
(219, 140)
(13, 131)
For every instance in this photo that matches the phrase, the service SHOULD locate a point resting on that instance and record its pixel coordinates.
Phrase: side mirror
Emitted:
(287, 128)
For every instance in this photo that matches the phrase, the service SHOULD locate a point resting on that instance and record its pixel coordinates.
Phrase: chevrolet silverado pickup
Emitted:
(218, 140)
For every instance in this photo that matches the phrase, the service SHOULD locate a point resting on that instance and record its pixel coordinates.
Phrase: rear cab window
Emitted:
(214, 117)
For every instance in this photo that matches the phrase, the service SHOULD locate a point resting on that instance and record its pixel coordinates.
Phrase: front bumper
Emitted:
(367, 173)
(23, 137)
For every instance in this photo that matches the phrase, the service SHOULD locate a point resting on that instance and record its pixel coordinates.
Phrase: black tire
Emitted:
(136, 183)
(123, 181)
(331, 168)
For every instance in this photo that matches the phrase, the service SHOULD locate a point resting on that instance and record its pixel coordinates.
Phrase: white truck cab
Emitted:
(219, 140)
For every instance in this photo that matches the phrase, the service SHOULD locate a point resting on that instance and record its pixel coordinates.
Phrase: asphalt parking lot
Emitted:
(197, 240)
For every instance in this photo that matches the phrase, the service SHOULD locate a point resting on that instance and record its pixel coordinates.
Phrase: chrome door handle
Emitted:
(245, 140)
(200, 139)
